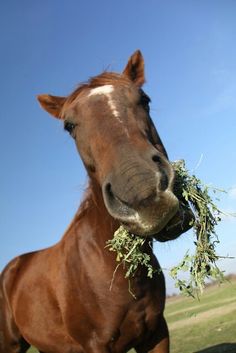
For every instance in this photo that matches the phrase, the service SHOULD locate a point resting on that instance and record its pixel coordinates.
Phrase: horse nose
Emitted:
(164, 172)
(142, 197)
(136, 189)
(140, 180)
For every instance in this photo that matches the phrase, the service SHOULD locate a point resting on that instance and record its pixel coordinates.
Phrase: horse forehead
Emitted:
(105, 90)
(117, 96)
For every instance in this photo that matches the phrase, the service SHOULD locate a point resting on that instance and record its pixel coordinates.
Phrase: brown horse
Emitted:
(59, 299)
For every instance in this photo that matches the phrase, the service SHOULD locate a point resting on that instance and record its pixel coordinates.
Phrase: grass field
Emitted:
(205, 326)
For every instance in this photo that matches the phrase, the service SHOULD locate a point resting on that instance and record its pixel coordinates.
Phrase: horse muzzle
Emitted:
(146, 217)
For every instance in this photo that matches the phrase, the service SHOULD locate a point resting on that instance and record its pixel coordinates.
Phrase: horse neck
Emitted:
(88, 233)
(92, 221)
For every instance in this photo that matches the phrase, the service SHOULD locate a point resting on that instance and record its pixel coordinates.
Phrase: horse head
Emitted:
(109, 120)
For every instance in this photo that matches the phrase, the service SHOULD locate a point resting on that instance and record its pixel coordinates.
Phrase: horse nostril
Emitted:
(163, 184)
(164, 181)
(157, 159)
(108, 189)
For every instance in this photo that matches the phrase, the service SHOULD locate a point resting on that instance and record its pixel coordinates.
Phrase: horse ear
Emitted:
(52, 104)
(135, 68)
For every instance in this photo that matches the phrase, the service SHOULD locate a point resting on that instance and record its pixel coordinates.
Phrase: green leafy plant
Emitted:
(129, 249)
(199, 266)
(130, 254)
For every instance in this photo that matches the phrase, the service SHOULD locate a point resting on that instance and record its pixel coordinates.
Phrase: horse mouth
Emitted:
(182, 221)
(146, 220)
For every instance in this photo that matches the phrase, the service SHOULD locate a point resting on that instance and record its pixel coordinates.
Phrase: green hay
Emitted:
(200, 266)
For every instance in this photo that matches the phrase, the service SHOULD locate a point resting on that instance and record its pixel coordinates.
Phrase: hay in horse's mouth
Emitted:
(144, 221)
(205, 216)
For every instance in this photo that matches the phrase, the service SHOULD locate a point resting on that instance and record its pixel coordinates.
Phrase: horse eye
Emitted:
(144, 101)
(68, 126)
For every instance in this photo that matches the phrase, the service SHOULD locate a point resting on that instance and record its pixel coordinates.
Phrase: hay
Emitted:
(200, 266)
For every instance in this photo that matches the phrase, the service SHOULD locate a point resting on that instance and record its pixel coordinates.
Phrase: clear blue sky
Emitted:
(51, 46)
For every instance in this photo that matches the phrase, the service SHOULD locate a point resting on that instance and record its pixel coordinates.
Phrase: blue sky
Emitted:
(51, 46)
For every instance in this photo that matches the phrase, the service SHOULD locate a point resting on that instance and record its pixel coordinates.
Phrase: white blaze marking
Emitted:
(106, 91)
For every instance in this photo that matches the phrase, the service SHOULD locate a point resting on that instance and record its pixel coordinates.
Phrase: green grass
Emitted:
(208, 325)
(188, 307)
(205, 326)
(198, 337)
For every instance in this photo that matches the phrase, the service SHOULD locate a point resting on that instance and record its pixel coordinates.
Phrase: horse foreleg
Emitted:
(24, 346)
(159, 343)
(162, 340)
(11, 340)
(162, 347)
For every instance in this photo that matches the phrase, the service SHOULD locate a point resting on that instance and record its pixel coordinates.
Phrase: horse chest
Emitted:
(141, 320)
(115, 323)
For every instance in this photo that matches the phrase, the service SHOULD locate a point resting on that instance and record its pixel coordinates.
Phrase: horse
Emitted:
(59, 299)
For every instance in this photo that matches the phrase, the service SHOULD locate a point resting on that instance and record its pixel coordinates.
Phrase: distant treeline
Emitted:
(228, 278)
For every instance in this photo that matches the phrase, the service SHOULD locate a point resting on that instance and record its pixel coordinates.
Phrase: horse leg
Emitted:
(162, 340)
(11, 340)
(24, 345)
(162, 347)
(159, 343)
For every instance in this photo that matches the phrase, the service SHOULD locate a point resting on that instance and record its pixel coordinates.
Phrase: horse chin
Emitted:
(167, 229)
(178, 224)
(182, 221)
(146, 220)
(147, 227)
